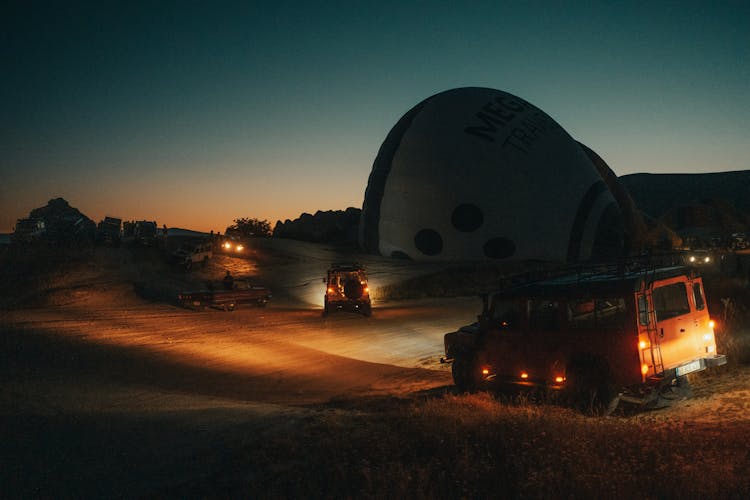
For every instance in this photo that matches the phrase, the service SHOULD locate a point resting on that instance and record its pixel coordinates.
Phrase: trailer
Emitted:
(226, 295)
(109, 231)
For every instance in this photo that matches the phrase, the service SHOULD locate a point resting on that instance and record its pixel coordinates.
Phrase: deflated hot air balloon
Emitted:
(479, 174)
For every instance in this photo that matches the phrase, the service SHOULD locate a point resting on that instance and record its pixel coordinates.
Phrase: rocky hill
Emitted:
(332, 226)
(698, 207)
(61, 223)
(656, 194)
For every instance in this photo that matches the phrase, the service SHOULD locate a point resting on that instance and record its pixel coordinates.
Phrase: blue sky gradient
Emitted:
(196, 113)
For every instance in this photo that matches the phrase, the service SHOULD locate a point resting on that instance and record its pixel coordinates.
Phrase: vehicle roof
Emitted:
(593, 283)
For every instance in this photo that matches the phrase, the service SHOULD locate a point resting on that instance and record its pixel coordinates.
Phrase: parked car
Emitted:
(189, 254)
(699, 258)
(233, 246)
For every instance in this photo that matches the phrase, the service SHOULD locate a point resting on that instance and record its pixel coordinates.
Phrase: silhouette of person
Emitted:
(228, 281)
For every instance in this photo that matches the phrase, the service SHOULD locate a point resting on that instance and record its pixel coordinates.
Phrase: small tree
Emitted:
(247, 226)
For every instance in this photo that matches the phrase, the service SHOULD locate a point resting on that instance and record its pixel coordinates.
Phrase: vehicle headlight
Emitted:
(240, 248)
(692, 258)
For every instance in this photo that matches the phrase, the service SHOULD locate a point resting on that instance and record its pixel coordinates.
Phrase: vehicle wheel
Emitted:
(669, 394)
(680, 389)
(683, 385)
(465, 373)
(589, 386)
(367, 310)
(325, 306)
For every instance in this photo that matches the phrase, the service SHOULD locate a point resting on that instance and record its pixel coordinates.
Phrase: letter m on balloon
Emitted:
(488, 131)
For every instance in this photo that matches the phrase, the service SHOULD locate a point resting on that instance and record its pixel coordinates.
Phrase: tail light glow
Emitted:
(524, 375)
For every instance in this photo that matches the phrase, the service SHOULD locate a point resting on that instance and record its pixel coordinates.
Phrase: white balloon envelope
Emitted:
(479, 174)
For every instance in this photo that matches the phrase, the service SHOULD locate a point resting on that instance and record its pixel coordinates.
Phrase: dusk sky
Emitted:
(196, 113)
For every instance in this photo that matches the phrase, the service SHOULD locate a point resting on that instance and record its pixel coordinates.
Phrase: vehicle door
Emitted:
(674, 322)
(698, 332)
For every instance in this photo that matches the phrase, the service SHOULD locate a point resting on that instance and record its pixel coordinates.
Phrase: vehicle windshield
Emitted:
(671, 301)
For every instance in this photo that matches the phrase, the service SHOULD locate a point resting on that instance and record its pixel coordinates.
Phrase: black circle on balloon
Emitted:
(467, 217)
(499, 248)
(429, 242)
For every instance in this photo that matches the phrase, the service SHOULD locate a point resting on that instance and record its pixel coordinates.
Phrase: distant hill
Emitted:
(656, 194)
(698, 207)
(332, 226)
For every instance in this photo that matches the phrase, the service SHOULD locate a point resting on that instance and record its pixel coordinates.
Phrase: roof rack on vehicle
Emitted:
(339, 265)
(646, 265)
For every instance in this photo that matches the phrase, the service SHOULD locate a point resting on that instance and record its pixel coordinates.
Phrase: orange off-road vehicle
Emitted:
(599, 337)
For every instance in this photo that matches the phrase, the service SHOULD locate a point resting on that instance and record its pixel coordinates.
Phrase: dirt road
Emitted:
(266, 355)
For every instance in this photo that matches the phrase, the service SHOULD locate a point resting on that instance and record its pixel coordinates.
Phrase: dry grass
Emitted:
(729, 303)
(477, 447)
(734, 342)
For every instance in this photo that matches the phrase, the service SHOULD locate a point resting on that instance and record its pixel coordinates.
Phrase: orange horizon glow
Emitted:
(211, 214)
